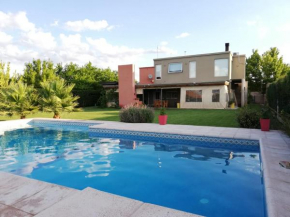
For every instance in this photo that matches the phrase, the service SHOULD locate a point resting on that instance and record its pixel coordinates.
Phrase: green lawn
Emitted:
(201, 117)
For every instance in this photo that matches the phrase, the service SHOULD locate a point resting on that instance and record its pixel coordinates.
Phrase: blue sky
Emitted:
(109, 33)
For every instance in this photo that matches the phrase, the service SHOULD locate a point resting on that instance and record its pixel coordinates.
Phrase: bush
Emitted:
(113, 96)
(162, 111)
(248, 118)
(286, 122)
(137, 114)
(102, 102)
(87, 97)
(278, 94)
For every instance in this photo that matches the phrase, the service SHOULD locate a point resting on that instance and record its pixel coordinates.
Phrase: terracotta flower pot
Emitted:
(162, 119)
(265, 124)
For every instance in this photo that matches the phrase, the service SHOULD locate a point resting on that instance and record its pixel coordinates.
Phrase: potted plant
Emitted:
(265, 120)
(232, 104)
(162, 117)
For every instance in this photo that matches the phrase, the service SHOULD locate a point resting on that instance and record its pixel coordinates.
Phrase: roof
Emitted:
(111, 86)
(196, 55)
(182, 84)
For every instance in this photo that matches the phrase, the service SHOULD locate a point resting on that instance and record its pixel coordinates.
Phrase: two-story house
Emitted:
(191, 81)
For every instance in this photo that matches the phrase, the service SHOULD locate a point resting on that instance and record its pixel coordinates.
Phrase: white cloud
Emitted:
(29, 42)
(5, 38)
(183, 35)
(110, 28)
(86, 24)
(15, 21)
(55, 23)
(39, 39)
(104, 47)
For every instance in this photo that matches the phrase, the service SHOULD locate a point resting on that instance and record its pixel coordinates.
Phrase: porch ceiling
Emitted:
(182, 84)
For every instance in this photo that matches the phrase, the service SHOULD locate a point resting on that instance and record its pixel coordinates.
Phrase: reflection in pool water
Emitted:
(206, 181)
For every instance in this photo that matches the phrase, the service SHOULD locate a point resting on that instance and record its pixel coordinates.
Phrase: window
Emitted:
(221, 67)
(158, 71)
(215, 95)
(192, 69)
(193, 96)
(175, 67)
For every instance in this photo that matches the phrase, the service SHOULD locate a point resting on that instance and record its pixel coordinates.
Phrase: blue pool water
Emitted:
(205, 181)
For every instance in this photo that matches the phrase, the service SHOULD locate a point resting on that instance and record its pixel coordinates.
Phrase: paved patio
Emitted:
(26, 197)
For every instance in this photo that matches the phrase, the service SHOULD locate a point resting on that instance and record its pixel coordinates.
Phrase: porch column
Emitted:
(161, 97)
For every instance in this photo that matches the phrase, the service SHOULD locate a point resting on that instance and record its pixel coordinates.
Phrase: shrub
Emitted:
(278, 94)
(87, 97)
(286, 122)
(137, 114)
(248, 118)
(162, 111)
(102, 102)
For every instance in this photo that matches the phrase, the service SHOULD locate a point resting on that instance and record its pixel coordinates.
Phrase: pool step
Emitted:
(91, 202)
(21, 196)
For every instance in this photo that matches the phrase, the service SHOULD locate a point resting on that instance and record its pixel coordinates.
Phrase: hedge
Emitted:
(279, 93)
(87, 97)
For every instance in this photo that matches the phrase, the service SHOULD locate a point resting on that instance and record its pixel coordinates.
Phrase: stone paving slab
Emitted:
(14, 189)
(150, 210)
(90, 202)
(8, 211)
(44, 199)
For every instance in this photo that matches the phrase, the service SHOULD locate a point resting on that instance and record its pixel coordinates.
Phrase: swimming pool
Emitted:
(201, 177)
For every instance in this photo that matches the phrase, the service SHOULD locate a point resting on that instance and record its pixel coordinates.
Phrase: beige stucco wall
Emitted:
(239, 67)
(204, 68)
(206, 97)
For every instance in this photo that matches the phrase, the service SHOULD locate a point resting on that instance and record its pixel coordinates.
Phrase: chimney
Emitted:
(227, 46)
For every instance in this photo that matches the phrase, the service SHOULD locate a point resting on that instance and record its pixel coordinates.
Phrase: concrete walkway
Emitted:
(24, 197)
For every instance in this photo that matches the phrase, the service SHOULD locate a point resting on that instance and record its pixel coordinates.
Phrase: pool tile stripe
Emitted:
(176, 138)
(61, 123)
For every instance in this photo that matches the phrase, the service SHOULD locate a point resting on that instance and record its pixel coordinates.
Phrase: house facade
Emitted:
(207, 81)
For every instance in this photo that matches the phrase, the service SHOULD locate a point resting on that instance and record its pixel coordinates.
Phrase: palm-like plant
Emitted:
(57, 97)
(18, 99)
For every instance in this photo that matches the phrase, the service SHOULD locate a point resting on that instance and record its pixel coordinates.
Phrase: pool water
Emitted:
(205, 181)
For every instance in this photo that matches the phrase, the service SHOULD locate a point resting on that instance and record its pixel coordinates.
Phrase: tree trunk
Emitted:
(56, 116)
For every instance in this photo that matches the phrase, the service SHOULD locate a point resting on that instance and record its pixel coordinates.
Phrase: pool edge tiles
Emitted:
(204, 141)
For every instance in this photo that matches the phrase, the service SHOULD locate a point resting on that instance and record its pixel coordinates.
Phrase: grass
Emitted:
(200, 117)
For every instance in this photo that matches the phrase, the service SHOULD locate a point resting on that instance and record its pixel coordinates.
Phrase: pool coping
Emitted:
(274, 147)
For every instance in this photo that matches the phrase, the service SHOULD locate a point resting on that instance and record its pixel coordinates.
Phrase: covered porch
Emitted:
(160, 97)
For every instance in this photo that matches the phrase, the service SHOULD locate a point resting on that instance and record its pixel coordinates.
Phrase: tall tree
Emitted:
(85, 77)
(4, 74)
(272, 65)
(265, 69)
(254, 72)
(39, 71)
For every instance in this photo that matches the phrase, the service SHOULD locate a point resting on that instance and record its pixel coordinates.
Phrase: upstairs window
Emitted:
(193, 96)
(221, 67)
(175, 67)
(192, 69)
(158, 70)
(215, 95)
